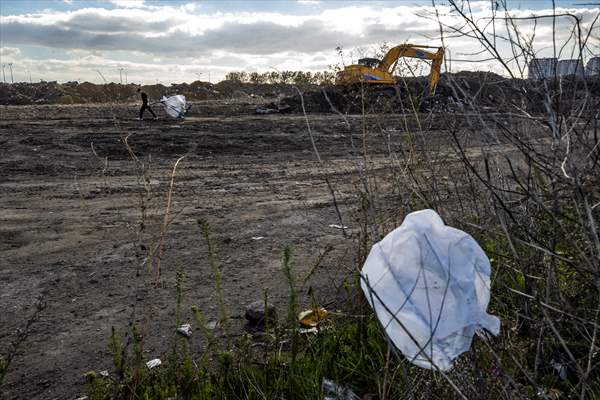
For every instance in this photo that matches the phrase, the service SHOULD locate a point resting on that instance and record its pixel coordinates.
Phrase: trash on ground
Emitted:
(257, 313)
(312, 318)
(211, 325)
(309, 330)
(429, 285)
(185, 330)
(175, 106)
(333, 391)
(104, 373)
(338, 226)
(258, 237)
(552, 394)
(153, 363)
(560, 369)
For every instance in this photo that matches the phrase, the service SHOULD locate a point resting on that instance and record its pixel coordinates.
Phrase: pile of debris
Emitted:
(85, 93)
(463, 91)
(36, 93)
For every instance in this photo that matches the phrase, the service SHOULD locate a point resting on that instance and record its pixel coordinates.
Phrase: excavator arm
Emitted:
(415, 51)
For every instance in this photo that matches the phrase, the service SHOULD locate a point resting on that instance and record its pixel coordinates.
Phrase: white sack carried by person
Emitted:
(175, 106)
(429, 285)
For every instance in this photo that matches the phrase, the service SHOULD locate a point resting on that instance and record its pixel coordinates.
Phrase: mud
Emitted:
(80, 215)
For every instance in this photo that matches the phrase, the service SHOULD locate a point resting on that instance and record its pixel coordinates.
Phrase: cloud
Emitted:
(9, 52)
(105, 21)
(175, 31)
(185, 37)
(128, 3)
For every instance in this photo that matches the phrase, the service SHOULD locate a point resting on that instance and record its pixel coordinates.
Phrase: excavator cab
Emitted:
(369, 62)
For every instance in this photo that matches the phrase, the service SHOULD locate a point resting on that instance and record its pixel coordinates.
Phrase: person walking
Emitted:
(145, 105)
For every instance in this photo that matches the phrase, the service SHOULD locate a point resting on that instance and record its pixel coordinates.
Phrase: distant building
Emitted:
(545, 68)
(593, 66)
(570, 67)
(542, 68)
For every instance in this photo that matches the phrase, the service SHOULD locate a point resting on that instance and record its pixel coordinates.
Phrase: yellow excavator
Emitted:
(373, 71)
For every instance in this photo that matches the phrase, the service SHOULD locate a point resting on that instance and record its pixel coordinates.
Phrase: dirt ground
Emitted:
(72, 225)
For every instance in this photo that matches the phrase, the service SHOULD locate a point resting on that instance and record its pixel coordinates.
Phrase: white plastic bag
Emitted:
(175, 106)
(435, 280)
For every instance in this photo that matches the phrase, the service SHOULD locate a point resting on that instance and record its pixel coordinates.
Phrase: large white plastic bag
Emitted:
(436, 280)
(175, 106)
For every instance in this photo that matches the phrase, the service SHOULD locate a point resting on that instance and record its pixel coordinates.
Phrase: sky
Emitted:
(148, 41)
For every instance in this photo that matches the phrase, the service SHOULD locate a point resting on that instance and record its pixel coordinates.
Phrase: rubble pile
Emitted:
(462, 91)
(26, 93)
(86, 93)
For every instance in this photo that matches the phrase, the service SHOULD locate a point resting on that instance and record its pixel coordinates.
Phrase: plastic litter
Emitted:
(560, 369)
(333, 391)
(185, 330)
(335, 226)
(153, 363)
(312, 318)
(435, 280)
(308, 330)
(211, 325)
(258, 237)
(175, 106)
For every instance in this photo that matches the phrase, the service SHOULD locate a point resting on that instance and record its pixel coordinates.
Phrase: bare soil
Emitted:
(72, 224)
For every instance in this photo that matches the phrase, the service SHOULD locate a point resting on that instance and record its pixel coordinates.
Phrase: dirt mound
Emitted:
(86, 92)
(455, 92)
(25, 93)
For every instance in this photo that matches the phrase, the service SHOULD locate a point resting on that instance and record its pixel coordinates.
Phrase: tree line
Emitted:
(289, 77)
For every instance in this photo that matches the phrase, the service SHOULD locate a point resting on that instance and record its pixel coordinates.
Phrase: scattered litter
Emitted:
(560, 369)
(312, 318)
(309, 330)
(258, 237)
(429, 283)
(552, 394)
(104, 373)
(338, 226)
(333, 391)
(153, 363)
(185, 330)
(82, 398)
(211, 325)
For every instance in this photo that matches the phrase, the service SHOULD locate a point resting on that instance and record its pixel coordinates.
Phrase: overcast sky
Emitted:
(175, 41)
